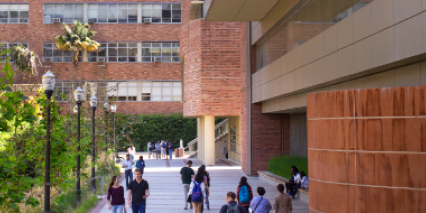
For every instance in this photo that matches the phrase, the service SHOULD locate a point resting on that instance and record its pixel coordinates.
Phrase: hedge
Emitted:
(282, 165)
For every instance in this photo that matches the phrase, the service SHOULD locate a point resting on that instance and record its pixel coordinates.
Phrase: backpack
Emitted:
(233, 208)
(244, 196)
(197, 195)
(140, 164)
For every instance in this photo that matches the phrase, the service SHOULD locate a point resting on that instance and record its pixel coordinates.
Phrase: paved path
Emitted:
(166, 190)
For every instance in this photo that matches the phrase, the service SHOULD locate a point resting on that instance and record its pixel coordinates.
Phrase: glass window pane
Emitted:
(45, 6)
(112, 51)
(156, 51)
(92, 14)
(156, 6)
(122, 51)
(102, 52)
(175, 44)
(156, 44)
(146, 59)
(131, 44)
(147, 6)
(176, 59)
(175, 52)
(176, 6)
(146, 44)
(112, 13)
(166, 44)
(166, 15)
(121, 44)
(133, 52)
(102, 16)
(166, 59)
(155, 98)
(112, 44)
(166, 51)
(14, 7)
(92, 6)
(177, 91)
(146, 51)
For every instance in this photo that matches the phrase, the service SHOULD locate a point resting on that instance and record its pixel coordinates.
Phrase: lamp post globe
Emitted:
(93, 103)
(48, 81)
(113, 108)
(78, 96)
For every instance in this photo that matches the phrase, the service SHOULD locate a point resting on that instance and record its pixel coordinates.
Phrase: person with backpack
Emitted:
(170, 147)
(207, 183)
(244, 193)
(232, 206)
(282, 202)
(186, 175)
(140, 163)
(260, 204)
(163, 149)
(115, 197)
(197, 192)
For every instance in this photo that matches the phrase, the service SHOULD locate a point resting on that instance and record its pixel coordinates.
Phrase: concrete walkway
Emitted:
(166, 190)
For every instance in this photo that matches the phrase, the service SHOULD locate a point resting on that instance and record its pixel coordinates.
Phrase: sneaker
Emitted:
(208, 207)
(186, 208)
(190, 206)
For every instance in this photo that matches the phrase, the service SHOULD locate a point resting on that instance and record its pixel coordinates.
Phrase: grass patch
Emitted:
(282, 165)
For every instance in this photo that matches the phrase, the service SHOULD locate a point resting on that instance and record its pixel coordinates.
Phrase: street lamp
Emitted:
(48, 81)
(93, 104)
(113, 110)
(78, 96)
(106, 108)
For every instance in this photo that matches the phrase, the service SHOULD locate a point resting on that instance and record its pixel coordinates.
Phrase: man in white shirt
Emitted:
(128, 165)
(163, 149)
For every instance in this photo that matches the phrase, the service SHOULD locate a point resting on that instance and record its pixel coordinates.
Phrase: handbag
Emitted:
(189, 198)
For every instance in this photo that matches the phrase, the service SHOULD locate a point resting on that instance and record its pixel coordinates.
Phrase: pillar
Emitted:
(85, 7)
(139, 52)
(199, 136)
(84, 56)
(209, 141)
(139, 13)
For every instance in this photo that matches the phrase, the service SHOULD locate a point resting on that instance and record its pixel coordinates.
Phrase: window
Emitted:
(161, 91)
(233, 139)
(9, 45)
(67, 88)
(52, 53)
(122, 91)
(115, 52)
(112, 13)
(162, 12)
(165, 51)
(14, 13)
(66, 13)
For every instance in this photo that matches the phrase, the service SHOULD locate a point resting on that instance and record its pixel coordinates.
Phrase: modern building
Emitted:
(340, 82)
(137, 64)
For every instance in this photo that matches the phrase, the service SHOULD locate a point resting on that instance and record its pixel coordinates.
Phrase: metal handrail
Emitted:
(224, 122)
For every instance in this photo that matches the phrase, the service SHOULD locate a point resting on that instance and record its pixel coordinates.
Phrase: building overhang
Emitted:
(237, 10)
(196, 9)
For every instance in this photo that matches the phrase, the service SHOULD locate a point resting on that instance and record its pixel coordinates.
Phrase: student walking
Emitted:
(140, 164)
(163, 149)
(244, 193)
(128, 165)
(260, 204)
(282, 202)
(132, 152)
(170, 146)
(197, 191)
(207, 183)
(150, 148)
(157, 150)
(139, 192)
(115, 197)
(232, 205)
(186, 175)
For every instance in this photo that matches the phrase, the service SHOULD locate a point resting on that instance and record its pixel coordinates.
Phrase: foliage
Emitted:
(79, 38)
(25, 59)
(282, 165)
(140, 129)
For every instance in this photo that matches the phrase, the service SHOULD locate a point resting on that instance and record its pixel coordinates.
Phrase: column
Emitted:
(139, 91)
(201, 139)
(84, 55)
(139, 53)
(139, 13)
(209, 140)
(85, 19)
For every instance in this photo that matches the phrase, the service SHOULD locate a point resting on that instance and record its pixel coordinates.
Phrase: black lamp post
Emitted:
(113, 110)
(78, 96)
(93, 104)
(48, 86)
(106, 108)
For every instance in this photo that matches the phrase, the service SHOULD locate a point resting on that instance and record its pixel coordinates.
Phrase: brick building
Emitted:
(137, 64)
(340, 82)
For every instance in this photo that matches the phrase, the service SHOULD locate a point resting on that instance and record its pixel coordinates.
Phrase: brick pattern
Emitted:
(35, 33)
(212, 67)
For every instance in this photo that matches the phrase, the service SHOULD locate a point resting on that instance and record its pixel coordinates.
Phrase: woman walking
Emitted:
(197, 191)
(115, 197)
(207, 183)
(244, 193)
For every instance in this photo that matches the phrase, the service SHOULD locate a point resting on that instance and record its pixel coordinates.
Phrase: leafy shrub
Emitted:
(282, 165)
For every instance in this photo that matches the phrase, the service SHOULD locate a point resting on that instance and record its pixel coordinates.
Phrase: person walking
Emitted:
(139, 192)
(282, 202)
(260, 204)
(232, 205)
(170, 146)
(244, 193)
(149, 146)
(186, 175)
(163, 149)
(207, 183)
(115, 197)
(157, 150)
(140, 164)
(128, 166)
(197, 191)
(132, 152)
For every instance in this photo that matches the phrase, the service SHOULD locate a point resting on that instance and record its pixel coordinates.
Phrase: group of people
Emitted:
(162, 149)
(297, 181)
(196, 189)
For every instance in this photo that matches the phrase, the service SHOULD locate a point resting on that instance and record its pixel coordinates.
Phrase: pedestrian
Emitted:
(260, 204)
(170, 149)
(244, 193)
(149, 146)
(225, 151)
(167, 149)
(232, 205)
(139, 191)
(128, 166)
(140, 163)
(282, 202)
(132, 152)
(305, 181)
(157, 150)
(115, 197)
(197, 191)
(207, 183)
(163, 149)
(186, 175)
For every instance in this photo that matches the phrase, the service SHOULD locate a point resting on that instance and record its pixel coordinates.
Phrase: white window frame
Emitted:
(10, 45)
(172, 95)
(164, 59)
(48, 20)
(66, 57)
(161, 18)
(129, 6)
(21, 8)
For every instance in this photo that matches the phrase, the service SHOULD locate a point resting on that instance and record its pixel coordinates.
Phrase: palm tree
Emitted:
(78, 39)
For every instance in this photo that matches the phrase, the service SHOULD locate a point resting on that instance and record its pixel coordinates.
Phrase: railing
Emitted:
(221, 129)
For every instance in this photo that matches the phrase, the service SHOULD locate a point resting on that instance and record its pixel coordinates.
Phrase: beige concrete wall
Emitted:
(382, 33)
(222, 142)
(234, 122)
(409, 75)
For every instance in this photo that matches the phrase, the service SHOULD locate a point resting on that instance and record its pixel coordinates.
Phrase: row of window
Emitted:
(120, 52)
(9, 45)
(113, 12)
(158, 91)
(14, 13)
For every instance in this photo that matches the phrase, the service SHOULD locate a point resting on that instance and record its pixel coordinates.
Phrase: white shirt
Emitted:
(132, 151)
(202, 185)
(305, 182)
(128, 164)
(297, 178)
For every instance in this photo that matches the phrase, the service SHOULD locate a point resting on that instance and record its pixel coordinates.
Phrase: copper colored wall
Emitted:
(367, 150)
